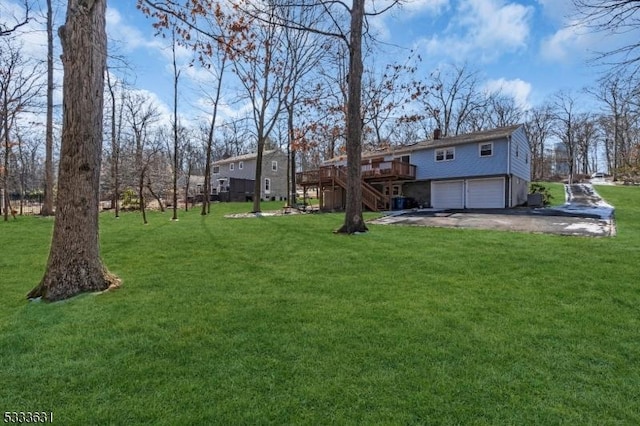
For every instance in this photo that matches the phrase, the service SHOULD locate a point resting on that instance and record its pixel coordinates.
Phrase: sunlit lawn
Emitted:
(278, 320)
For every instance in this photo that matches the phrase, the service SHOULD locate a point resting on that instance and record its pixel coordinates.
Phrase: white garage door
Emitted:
(485, 193)
(447, 195)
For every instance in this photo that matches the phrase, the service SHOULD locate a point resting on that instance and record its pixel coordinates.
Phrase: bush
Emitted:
(537, 188)
(129, 200)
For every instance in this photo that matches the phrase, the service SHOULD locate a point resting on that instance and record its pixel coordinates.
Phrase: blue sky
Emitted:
(526, 47)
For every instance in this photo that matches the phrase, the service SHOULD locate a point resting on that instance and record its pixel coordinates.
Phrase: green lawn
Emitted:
(278, 320)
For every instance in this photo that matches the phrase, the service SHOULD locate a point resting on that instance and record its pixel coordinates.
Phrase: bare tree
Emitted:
(74, 265)
(503, 110)
(174, 124)
(116, 97)
(306, 52)
(453, 98)
(539, 128)
(15, 22)
(385, 95)
(614, 17)
(565, 117)
(332, 25)
(20, 88)
(28, 160)
(214, 55)
(587, 136)
(619, 96)
(141, 114)
(263, 70)
(47, 203)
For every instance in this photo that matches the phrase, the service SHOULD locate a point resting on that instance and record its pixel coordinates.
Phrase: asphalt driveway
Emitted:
(584, 214)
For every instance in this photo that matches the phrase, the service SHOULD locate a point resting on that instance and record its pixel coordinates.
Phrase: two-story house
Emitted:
(233, 178)
(486, 169)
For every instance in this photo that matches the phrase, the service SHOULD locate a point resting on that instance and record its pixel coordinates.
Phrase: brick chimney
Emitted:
(436, 134)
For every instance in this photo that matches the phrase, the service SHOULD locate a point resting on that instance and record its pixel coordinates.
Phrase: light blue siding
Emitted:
(467, 162)
(511, 156)
(520, 155)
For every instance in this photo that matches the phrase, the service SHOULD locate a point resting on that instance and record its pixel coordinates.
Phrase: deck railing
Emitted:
(385, 169)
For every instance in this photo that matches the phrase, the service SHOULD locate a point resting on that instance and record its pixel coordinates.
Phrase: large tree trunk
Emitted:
(353, 220)
(74, 264)
(47, 204)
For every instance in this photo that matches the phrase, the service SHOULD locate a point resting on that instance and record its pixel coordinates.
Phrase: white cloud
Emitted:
(432, 7)
(483, 29)
(564, 45)
(518, 89)
(127, 36)
(491, 24)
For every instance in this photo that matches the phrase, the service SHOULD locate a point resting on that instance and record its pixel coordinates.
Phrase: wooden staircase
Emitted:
(371, 197)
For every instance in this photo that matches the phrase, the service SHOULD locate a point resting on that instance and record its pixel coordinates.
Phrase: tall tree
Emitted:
(214, 54)
(538, 127)
(74, 265)
(565, 117)
(262, 69)
(141, 114)
(116, 117)
(587, 136)
(353, 221)
(619, 97)
(174, 125)
(47, 202)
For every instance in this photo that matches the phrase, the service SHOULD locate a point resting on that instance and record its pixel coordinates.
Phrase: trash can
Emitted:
(398, 203)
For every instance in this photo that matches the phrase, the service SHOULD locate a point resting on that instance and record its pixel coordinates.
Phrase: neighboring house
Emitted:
(487, 169)
(232, 179)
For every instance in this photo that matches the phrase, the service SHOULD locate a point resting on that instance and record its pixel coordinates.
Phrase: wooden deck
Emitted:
(384, 172)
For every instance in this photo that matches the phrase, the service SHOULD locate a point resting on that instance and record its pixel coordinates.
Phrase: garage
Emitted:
(485, 193)
(447, 194)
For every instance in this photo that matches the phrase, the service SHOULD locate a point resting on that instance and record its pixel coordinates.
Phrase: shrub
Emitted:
(537, 188)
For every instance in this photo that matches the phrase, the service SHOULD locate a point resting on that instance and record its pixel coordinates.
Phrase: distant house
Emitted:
(487, 169)
(232, 179)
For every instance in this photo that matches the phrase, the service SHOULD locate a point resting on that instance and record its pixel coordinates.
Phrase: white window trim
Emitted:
(480, 145)
(232, 166)
(444, 154)
(240, 165)
(267, 186)
(274, 166)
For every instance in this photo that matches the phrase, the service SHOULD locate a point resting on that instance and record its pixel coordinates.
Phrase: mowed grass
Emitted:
(277, 320)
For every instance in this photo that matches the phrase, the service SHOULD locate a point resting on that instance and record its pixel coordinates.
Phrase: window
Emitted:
(216, 170)
(267, 185)
(403, 159)
(241, 165)
(274, 166)
(445, 154)
(232, 166)
(486, 149)
(395, 190)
